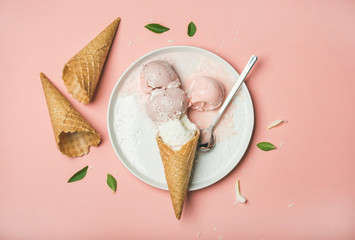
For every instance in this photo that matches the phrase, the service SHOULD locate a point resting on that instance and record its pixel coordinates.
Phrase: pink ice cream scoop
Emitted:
(166, 104)
(158, 74)
(204, 93)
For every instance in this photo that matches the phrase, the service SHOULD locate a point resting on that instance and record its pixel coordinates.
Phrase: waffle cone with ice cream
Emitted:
(177, 168)
(177, 137)
(73, 134)
(82, 72)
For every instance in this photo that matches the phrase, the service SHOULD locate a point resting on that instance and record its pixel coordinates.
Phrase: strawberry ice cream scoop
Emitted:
(158, 74)
(166, 104)
(204, 93)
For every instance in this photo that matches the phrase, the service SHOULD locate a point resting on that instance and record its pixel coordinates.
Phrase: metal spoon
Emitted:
(207, 139)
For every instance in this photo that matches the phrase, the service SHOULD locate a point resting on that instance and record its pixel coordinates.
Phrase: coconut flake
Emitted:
(239, 196)
(171, 40)
(275, 123)
(291, 205)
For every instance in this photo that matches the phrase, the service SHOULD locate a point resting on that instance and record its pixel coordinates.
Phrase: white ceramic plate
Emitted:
(132, 133)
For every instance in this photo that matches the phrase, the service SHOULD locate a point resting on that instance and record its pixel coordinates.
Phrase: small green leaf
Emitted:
(157, 28)
(191, 29)
(111, 182)
(265, 146)
(79, 175)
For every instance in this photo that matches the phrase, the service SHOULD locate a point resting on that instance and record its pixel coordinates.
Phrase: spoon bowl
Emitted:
(207, 140)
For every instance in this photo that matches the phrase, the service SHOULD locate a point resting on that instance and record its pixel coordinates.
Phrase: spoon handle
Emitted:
(235, 88)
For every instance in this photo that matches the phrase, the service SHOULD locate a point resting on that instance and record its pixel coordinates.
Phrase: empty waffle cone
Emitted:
(82, 72)
(73, 134)
(177, 168)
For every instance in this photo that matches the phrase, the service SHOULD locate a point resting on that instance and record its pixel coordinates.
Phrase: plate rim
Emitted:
(222, 174)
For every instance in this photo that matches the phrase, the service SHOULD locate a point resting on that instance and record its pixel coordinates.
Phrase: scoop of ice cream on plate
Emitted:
(158, 74)
(204, 93)
(166, 104)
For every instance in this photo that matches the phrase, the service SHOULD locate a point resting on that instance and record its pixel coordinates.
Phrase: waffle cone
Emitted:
(177, 168)
(73, 134)
(82, 72)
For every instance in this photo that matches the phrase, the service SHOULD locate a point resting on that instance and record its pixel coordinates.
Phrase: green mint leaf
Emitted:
(111, 182)
(265, 146)
(79, 175)
(191, 29)
(157, 28)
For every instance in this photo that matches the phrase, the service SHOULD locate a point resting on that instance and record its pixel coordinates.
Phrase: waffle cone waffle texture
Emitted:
(82, 72)
(73, 134)
(177, 169)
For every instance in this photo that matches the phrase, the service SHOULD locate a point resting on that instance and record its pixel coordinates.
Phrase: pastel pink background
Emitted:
(305, 74)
